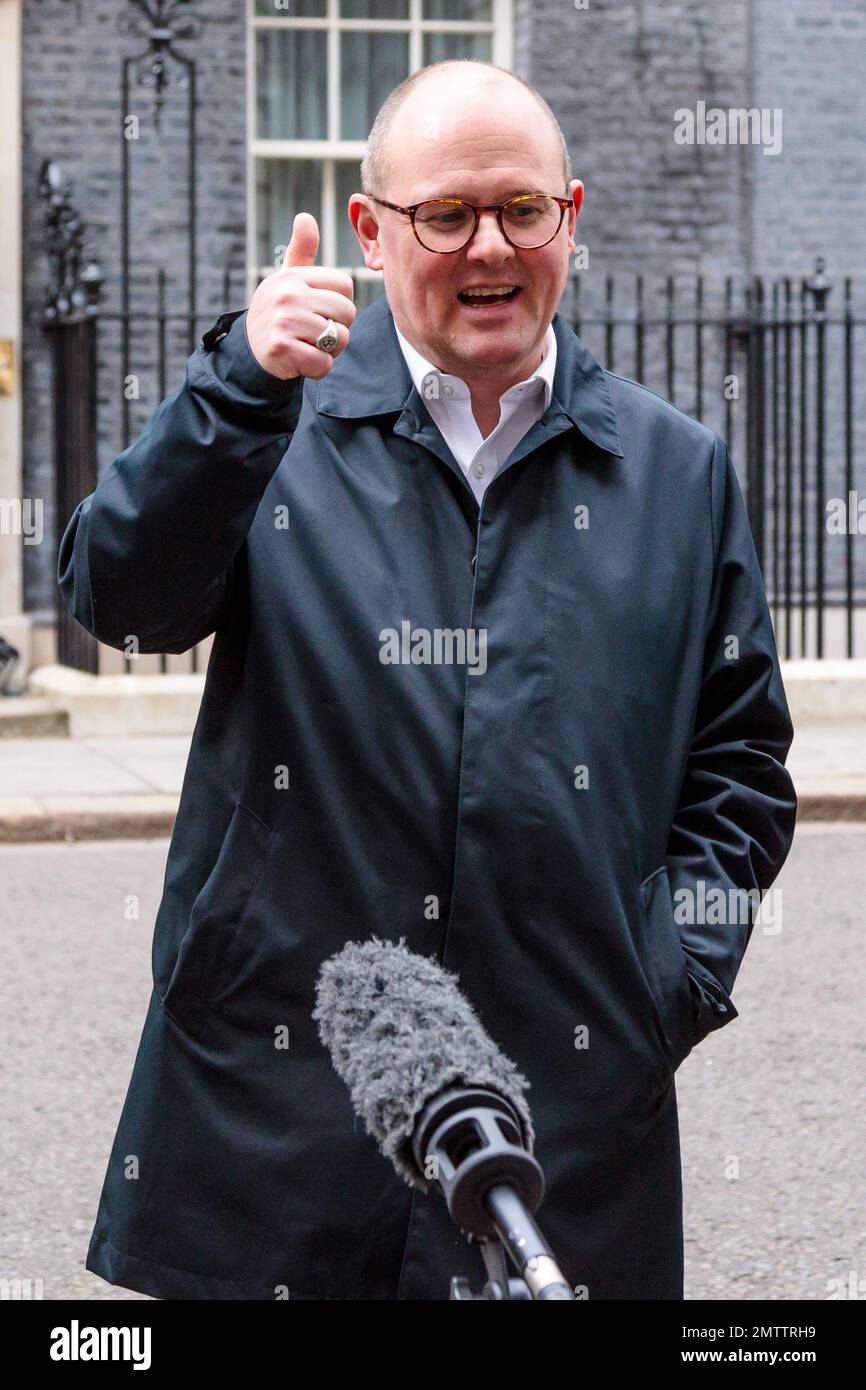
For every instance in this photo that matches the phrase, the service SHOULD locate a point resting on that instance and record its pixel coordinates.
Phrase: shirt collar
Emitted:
(422, 370)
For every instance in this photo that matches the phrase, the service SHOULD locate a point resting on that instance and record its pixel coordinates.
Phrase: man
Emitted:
(493, 672)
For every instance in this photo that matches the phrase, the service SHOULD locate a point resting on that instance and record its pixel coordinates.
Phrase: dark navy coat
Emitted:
(534, 826)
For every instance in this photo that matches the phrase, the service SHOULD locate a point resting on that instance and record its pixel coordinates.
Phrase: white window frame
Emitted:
(329, 150)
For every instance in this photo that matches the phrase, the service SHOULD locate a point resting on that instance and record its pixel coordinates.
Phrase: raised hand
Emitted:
(291, 307)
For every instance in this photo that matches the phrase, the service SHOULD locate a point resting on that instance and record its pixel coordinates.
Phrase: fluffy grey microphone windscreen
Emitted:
(399, 1031)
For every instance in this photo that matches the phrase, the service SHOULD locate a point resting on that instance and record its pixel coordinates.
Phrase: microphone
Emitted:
(444, 1104)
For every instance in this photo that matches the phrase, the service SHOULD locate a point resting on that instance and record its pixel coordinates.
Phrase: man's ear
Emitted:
(366, 227)
(575, 189)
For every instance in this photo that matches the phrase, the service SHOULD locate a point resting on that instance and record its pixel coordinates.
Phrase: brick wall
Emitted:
(615, 73)
(72, 112)
(810, 60)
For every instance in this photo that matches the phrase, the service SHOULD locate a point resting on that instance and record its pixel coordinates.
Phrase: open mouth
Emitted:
(489, 300)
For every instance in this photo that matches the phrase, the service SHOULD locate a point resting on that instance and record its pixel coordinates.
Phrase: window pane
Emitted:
(439, 46)
(371, 66)
(284, 187)
(374, 9)
(292, 9)
(348, 181)
(479, 10)
(366, 291)
(291, 84)
(348, 249)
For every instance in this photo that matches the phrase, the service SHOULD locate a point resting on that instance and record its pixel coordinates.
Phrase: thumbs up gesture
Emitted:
(291, 308)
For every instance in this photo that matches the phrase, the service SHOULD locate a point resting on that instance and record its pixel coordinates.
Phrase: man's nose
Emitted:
(488, 241)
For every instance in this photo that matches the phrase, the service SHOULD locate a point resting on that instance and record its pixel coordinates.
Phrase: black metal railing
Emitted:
(106, 380)
(69, 314)
(767, 365)
(773, 370)
(154, 360)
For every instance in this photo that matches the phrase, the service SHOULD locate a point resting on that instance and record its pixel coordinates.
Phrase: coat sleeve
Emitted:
(152, 551)
(735, 818)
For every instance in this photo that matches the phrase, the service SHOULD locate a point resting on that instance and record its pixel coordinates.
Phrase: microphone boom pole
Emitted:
(469, 1140)
(444, 1104)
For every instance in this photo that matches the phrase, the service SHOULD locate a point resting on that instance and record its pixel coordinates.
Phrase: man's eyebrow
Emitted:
(513, 192)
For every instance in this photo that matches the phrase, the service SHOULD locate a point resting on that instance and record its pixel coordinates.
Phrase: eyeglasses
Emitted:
(444, 225)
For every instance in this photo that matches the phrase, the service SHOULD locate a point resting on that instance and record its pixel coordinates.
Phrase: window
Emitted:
(318, 71)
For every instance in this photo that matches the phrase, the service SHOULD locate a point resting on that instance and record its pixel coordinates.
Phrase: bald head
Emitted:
(425, 109)
(468, 130)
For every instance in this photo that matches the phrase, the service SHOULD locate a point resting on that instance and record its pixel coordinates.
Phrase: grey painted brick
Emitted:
(614, 74)
(72, 113)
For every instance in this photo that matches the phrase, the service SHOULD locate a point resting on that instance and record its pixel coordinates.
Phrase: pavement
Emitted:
(115, 788)
(89, 788)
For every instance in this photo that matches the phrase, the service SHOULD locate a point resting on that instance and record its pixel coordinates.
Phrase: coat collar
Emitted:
(422, 369)
(371, 377)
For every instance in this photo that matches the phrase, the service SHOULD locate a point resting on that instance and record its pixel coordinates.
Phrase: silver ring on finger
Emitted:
(328, 338)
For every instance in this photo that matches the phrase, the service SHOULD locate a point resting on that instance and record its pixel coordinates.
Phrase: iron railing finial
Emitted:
(76, 276)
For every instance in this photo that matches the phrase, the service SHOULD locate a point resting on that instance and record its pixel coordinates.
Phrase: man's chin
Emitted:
(487, 349)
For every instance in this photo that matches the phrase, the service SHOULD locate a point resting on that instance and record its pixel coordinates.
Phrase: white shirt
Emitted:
(450, 405)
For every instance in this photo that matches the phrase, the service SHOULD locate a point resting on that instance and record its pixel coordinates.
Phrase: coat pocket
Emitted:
(663, 961)
(209, 946)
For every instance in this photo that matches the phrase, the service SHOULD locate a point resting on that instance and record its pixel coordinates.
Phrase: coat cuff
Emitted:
(231, 359)
(712, 1006)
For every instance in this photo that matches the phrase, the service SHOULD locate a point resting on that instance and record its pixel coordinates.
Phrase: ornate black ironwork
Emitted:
(72, 310)
(70, 313)
(819, 287)
(161, 23)
(76, 276)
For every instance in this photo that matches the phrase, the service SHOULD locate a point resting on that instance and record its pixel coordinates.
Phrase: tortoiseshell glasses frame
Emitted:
(499, 208)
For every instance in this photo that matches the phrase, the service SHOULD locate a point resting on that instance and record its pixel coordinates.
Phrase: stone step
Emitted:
(32, 716)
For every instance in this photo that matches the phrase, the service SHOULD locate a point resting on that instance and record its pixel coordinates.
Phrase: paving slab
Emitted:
(98, 788)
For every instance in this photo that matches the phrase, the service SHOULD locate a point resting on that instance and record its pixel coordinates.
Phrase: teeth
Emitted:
(503, 289)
